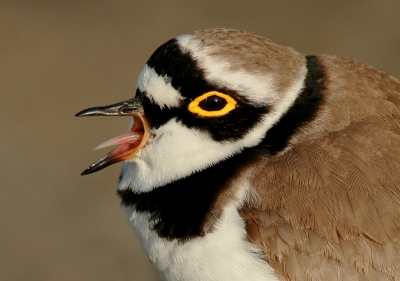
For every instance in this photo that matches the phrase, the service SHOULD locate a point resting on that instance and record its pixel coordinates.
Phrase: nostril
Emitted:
(127, 109)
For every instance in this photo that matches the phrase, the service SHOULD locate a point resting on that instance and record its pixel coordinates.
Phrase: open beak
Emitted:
(129, 144)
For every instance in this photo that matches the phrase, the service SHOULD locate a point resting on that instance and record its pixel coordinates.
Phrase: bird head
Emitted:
(201, 99)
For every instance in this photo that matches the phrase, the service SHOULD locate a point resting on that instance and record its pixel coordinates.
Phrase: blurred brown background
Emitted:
(58, 57)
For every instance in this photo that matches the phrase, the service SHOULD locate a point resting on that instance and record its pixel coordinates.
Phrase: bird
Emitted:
(247, 160)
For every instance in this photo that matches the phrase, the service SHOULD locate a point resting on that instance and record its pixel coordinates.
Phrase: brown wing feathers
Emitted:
(330, 207)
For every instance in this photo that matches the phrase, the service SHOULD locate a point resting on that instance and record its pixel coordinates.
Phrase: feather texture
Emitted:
(329, 207)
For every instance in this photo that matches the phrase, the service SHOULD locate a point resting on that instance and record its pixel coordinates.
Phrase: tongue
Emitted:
(130, 140)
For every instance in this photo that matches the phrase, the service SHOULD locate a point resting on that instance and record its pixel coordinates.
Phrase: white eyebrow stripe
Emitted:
(158, 88)
(259, 87)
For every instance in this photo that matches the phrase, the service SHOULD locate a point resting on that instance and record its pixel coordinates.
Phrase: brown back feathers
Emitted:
(329, 207)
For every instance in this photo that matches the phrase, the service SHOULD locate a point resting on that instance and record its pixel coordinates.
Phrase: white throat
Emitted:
(222, 255)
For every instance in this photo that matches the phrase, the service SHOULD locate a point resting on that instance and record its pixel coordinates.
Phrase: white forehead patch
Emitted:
(254, 85)
(158, 88)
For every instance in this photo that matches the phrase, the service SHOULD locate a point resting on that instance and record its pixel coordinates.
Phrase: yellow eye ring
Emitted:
(194, 106)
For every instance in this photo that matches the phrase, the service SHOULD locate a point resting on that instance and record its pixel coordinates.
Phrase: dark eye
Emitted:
(213, 103)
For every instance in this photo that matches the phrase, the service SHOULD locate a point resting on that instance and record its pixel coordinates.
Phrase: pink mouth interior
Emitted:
(127, 142)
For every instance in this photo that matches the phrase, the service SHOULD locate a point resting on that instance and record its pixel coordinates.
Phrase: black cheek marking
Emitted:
(230, 127)
(304, 109)
(154, 115)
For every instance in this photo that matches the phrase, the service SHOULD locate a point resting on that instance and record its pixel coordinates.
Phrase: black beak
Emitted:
(132, 107)
(124, 108)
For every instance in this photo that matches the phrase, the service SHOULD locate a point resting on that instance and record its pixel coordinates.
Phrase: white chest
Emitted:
(224, 254)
